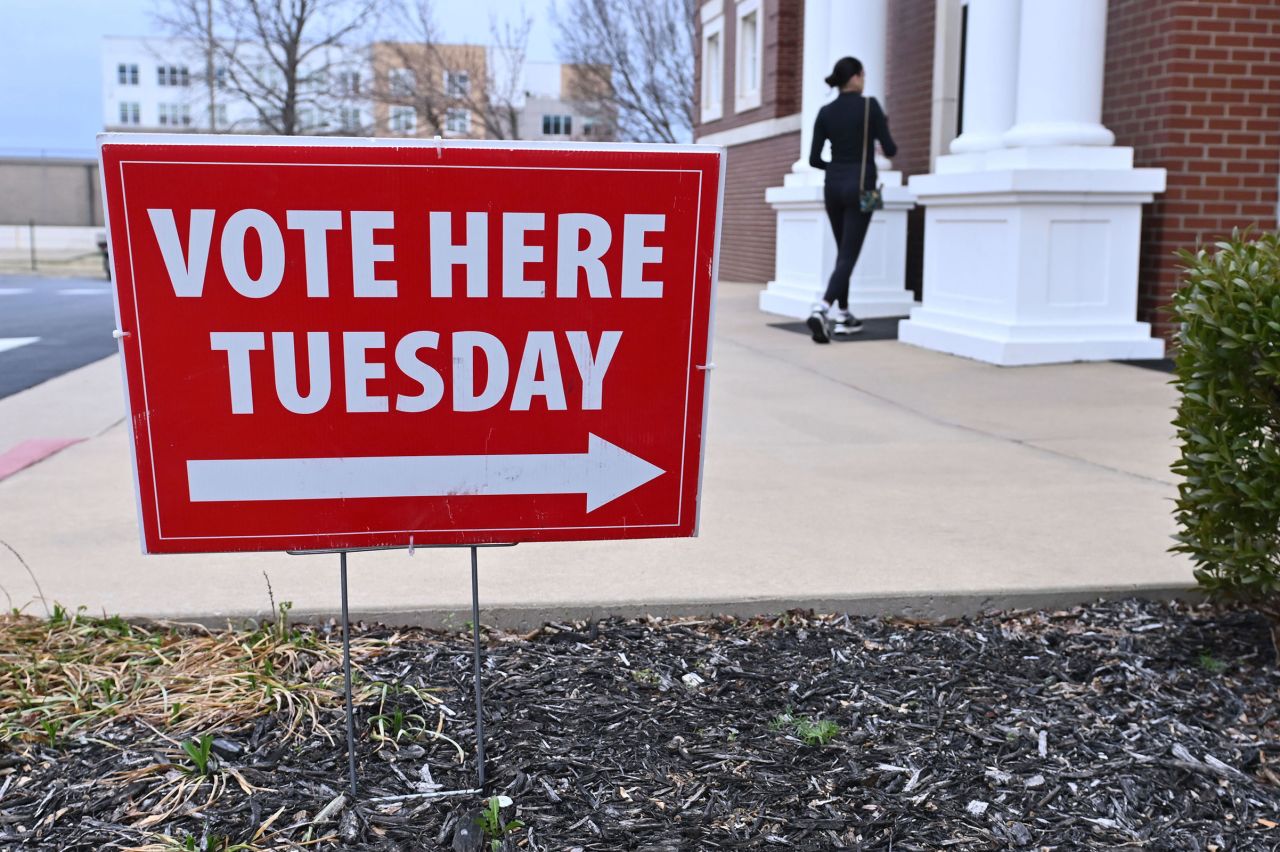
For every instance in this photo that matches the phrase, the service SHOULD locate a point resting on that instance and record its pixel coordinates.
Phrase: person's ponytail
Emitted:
(846, 69)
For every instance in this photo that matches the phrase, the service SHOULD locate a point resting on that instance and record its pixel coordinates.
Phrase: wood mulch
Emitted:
(1120, 724)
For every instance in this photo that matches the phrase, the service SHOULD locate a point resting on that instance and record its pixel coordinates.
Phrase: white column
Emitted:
(806, 250)
(813, 91)
(858, 28)
(1031, 249)
(1060, 69)
(832, 29)
(990, 75)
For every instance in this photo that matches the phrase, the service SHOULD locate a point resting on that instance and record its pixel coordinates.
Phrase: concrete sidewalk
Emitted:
(862, 477)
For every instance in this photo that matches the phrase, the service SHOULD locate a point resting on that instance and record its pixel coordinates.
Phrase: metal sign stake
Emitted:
(475, 662)
(346, 674)
(475, 669)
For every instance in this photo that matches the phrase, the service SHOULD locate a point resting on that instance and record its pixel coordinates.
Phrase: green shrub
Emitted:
(1228, 371)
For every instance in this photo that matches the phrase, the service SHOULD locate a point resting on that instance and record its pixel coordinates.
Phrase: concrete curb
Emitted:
(926, 607)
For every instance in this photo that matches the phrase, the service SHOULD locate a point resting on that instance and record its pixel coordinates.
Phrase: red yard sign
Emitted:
(335, 344)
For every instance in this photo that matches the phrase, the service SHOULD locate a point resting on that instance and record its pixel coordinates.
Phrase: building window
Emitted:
(404, 120)
(457, 84)
(349, 118)
(220, 116)
(590, 127)
(713, 69)
(750, 54)
(557, 125)
(457, 121)
(127, 75)
(401, 82)
(175, 115)
(348, 82)
(173, 75)
(220, 76)
(130, 113)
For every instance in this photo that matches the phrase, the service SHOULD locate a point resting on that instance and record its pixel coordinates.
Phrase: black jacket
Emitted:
(841, 121)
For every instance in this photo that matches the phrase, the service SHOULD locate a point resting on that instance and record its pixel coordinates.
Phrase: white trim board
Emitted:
(754, 132)
(387, 142)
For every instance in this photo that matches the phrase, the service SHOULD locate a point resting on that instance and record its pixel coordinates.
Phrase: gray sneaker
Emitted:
(820, 325)
(843, 322)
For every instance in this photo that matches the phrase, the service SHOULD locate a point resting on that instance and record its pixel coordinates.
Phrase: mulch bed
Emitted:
(1119, 724)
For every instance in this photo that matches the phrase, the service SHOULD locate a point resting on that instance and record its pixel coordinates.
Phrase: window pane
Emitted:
(402, 82)
(711, 75)
(568, 125)
(457, 83)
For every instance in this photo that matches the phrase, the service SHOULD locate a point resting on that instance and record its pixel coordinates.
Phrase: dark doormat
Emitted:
(885, 328)
(1161, 365)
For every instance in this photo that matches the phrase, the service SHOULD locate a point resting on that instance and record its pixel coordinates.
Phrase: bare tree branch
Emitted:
(499, 104)
(485, 82)
(277, 57)
(634, 63)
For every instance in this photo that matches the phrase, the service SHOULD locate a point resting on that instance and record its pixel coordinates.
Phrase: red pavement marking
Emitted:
(29, 452)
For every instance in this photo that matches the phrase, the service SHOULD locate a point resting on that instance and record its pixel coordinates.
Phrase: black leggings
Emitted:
(849, 225)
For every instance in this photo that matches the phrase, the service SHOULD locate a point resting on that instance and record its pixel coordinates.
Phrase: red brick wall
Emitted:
(1194, 87)
(784, 54)
(746, 248)
(909, 83)
(909, 102)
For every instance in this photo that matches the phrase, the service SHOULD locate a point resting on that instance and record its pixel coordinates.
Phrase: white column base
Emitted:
(1012, 345)
(1033, 266)
(806, 251)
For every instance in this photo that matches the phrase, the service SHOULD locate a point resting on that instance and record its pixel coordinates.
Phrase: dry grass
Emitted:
(76, 679)
(72, 675)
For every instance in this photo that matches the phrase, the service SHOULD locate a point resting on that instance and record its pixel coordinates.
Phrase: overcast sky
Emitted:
(52, 96)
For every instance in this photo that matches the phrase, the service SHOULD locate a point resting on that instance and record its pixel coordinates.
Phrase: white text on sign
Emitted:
(581, 241)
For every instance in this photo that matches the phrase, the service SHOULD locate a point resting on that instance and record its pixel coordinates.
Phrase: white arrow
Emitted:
(7, 343)
(604, 473)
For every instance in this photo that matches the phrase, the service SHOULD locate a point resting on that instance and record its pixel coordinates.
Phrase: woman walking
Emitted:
(852, 123)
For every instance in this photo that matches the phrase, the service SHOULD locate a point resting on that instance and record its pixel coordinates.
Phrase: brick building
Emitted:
(1192, 87)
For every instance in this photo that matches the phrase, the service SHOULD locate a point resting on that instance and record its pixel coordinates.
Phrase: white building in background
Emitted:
(136, 85)
(545, 101)
(159, 84)
(163, 84)
(548, 111)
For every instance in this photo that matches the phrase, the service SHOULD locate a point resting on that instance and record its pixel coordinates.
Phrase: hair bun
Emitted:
(830, 80)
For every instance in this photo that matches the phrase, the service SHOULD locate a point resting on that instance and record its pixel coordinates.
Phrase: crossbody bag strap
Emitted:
(866, 137)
